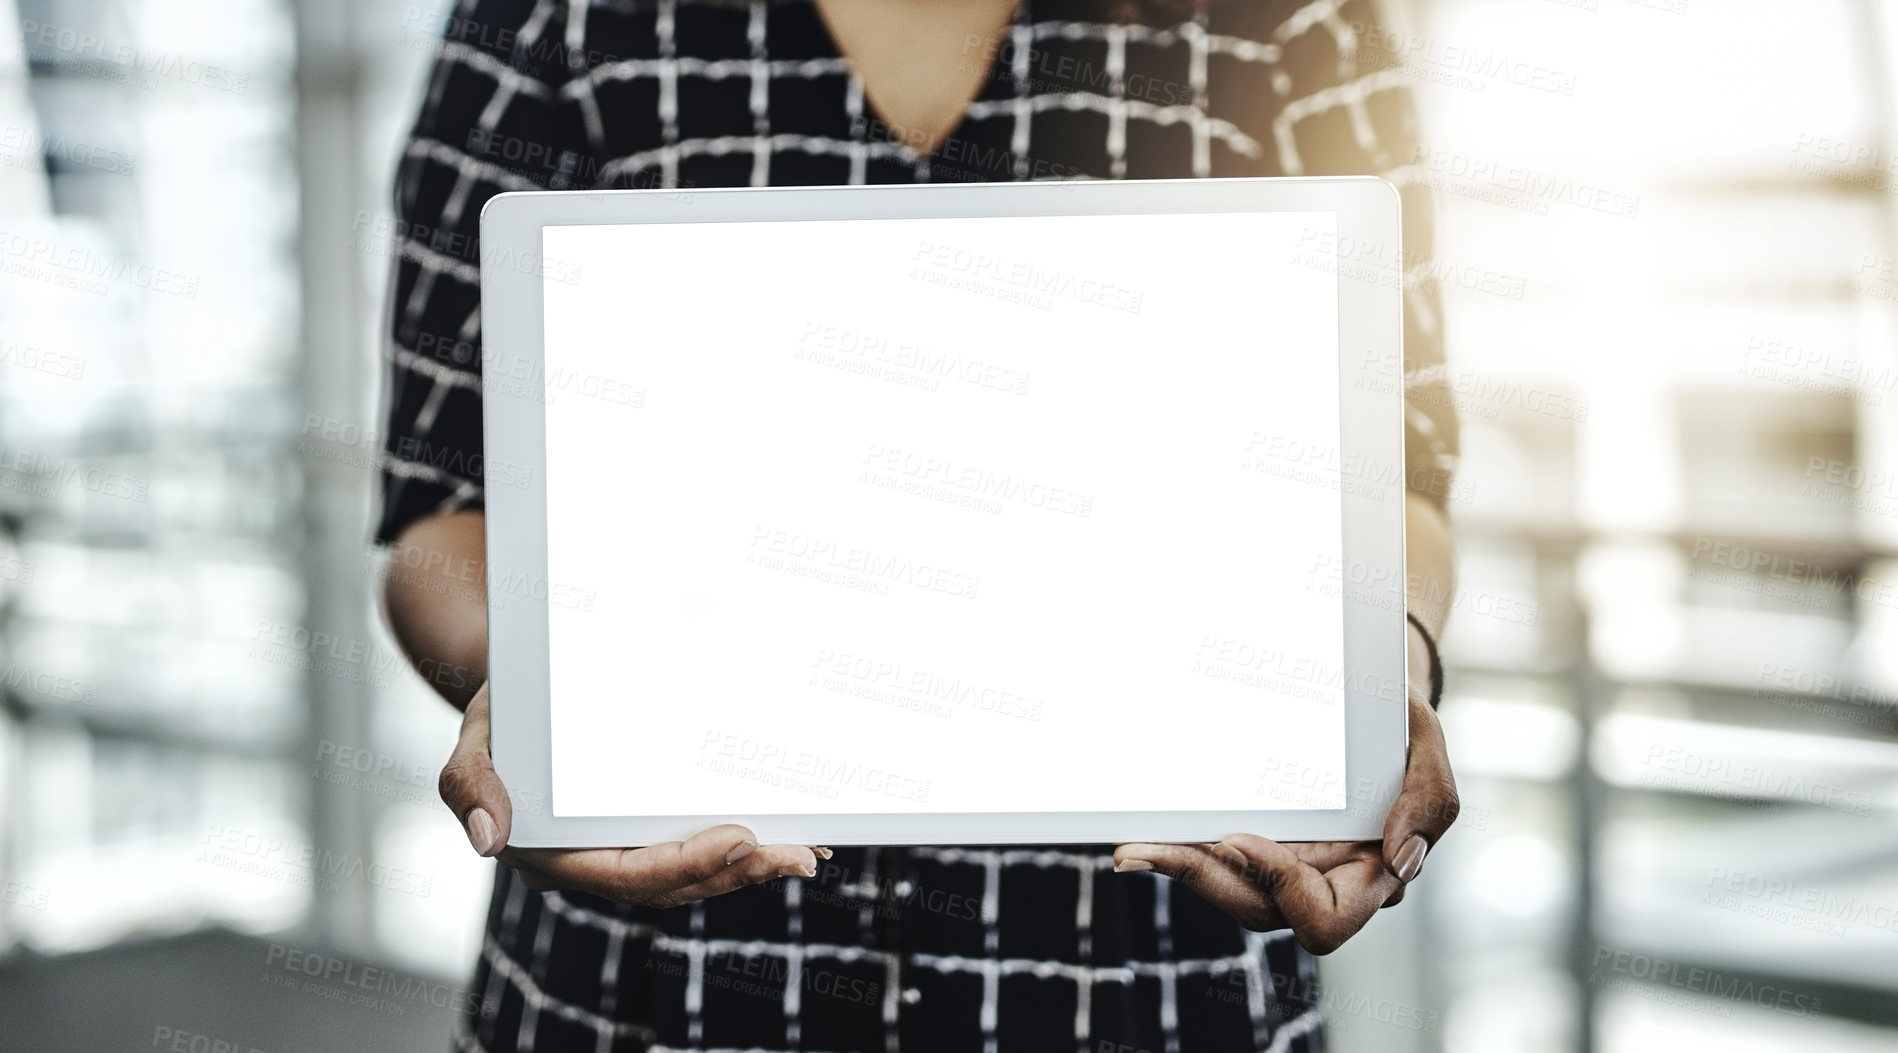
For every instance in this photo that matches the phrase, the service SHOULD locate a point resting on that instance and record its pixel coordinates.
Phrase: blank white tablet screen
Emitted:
(944, 515)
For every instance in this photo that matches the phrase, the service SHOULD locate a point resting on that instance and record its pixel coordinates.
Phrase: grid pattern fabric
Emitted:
(909, 951)
(1038, 948)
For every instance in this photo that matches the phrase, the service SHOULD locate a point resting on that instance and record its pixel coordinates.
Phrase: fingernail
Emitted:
(822, 853)
(482, 833)
(1410, 858)
(739, 851)
(794, 870)
(1129, 866)
(1229, 853)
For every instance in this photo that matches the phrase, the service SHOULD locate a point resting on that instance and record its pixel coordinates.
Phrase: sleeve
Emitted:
(1353, 114)
(495, 118)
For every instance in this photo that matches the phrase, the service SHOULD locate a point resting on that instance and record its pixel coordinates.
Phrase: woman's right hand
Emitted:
(711, 863)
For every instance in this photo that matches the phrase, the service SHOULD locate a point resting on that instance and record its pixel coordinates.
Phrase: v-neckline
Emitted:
(1003, 41)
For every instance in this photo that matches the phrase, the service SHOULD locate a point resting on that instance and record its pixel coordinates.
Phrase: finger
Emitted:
(1396, 897)
(769, 862)
(469, 786)
(1217, 883)
(643, 875)
(599, 871)
(1428, 803)
(635, 875)
(1324, 908)
(751, 866)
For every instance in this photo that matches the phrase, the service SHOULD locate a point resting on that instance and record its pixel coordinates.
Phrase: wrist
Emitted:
(1424, 664)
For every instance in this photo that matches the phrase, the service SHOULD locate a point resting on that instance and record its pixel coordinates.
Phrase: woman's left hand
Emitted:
(1323, 891)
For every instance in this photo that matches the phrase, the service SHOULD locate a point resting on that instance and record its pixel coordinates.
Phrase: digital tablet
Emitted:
(962, 514)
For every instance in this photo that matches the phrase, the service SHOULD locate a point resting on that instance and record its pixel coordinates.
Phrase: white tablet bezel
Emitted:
(1371, 416)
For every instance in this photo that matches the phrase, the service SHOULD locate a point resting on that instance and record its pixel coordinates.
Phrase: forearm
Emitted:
(1430, 578)
(435, 592)
(1430, 562)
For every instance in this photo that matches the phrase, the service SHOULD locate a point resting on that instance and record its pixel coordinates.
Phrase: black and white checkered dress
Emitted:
(1030, 949)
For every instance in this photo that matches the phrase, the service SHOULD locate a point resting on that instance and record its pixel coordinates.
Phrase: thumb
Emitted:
(470, 786)
(1428, 804)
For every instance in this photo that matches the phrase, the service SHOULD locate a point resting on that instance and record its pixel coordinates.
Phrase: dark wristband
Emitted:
(1436, 663)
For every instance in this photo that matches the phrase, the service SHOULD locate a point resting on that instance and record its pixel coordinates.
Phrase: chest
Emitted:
(921, 62)
(704, 93)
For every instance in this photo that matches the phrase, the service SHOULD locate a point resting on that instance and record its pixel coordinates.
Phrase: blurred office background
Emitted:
(1667, 236)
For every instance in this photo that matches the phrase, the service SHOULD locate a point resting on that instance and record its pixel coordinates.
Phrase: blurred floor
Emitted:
(223, 987)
